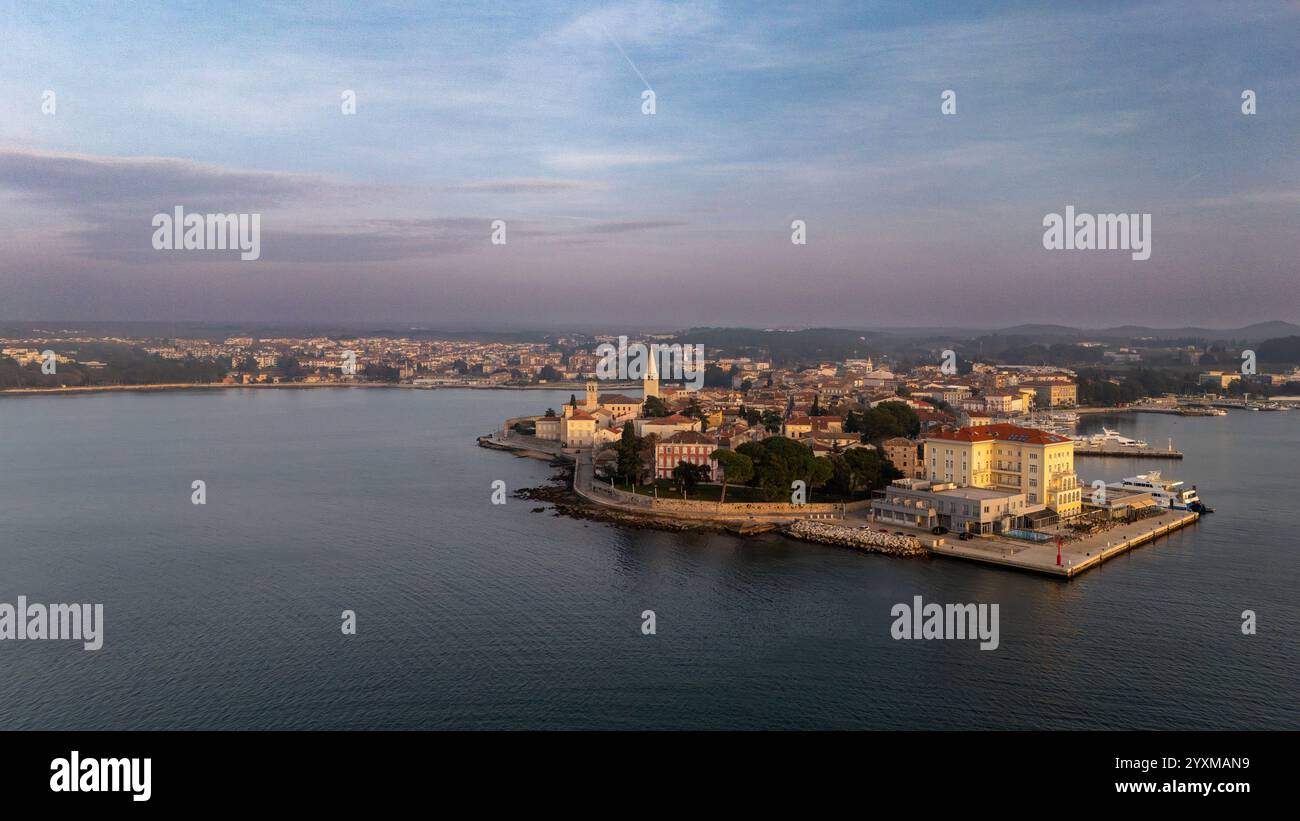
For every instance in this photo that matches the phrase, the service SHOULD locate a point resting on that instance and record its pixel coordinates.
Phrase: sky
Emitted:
(765, 113)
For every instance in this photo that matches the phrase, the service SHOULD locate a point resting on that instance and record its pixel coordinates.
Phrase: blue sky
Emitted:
(531, 113)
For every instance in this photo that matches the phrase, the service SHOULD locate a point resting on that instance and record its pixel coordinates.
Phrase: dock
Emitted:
(1076, 556)
(1090, 449)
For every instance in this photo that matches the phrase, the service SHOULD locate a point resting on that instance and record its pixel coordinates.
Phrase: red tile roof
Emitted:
(689, 437)
(616, 399)
(1001, 432)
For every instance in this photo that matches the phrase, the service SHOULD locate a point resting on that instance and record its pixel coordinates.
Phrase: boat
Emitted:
(1168, 493)
(1110, 437)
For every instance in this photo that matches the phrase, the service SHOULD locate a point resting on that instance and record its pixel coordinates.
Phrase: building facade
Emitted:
(686, 446)
(1008, 458)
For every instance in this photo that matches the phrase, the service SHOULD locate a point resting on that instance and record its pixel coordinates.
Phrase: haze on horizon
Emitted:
(766, 113)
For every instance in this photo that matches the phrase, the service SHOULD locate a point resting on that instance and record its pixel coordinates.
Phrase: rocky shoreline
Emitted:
(874, 541)
(564, 502)
(559, 494)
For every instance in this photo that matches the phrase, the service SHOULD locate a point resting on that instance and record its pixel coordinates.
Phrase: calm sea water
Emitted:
(479, 616)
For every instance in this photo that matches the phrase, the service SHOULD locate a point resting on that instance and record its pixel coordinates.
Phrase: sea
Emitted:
(473, 615)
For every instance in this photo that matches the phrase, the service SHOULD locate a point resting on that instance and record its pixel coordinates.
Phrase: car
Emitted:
(966, 537)
(938, 530)
(899, 533)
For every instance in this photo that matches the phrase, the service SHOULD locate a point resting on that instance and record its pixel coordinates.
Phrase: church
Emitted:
(597, 419)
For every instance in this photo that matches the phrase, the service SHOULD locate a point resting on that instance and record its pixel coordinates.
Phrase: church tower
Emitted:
(591, 395)
(650, 383)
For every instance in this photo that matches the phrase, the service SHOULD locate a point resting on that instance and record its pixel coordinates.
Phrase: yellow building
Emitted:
(1008, 458)
(577, 429)
(1053, 394)
(1219, 379)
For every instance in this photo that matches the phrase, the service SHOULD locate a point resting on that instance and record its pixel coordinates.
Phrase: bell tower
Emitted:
(650, 383)
(591, 395)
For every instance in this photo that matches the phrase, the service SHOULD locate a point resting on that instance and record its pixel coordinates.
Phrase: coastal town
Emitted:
(978, 466)
(935, 451)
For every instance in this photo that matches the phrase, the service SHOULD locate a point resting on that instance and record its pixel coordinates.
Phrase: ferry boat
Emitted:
(1166, 492)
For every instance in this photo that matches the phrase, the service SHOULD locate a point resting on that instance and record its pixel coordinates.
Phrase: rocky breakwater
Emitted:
(857, 537)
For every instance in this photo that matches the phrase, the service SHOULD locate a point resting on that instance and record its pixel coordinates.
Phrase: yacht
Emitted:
(1110, 437)
(1165, 492)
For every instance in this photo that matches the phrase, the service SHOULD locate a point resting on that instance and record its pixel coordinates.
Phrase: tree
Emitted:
(290, 367)
(887, 420)
(779, 461)
(736, 467)
(380, 372)
(868, 470)
(771, 421)
(550, 412)
(697, 412)
(646, 456)
(628, 453)
(715, 377)
(549, 374)
(688, 475)
(654, 407)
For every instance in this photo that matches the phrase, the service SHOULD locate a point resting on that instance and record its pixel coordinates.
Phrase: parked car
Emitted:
(938, 530)
(966, 537)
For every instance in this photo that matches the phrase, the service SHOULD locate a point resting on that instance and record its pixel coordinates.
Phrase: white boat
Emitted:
(1110, 437)
(1166, 492)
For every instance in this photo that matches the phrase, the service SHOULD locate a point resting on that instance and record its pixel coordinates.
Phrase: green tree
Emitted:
(736, 467)
(887, 420)
(628, 449)
(779, 461)
(688, 475)
(654, 407)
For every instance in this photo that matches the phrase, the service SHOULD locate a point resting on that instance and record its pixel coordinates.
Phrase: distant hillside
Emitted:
(1256, 332)
(1283, 350)
(785, 347)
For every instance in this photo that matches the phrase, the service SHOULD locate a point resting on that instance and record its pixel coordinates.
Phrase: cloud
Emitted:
(84, 182)
(529, 185)
(641, 23)
(597, 160)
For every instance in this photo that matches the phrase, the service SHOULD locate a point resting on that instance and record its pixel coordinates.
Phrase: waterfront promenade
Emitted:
(1076, 556)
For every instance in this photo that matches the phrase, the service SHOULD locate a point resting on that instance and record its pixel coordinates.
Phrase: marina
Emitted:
(1112, 443)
